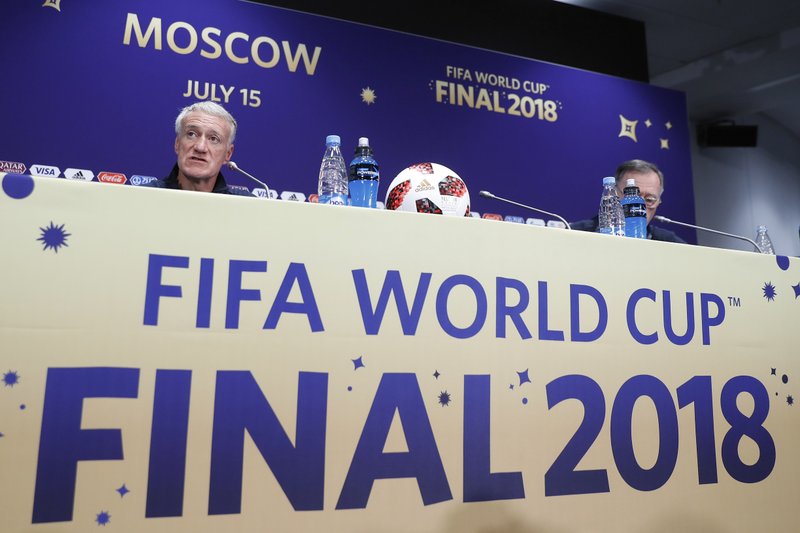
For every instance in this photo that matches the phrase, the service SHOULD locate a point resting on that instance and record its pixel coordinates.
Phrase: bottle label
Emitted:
(333, 199)
(364, 171)
(634, 210)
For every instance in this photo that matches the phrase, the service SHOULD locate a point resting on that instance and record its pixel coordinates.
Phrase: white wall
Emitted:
(737, 189)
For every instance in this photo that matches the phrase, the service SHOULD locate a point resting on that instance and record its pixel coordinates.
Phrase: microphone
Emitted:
(670, 221)
(487, 194)
(235, 167)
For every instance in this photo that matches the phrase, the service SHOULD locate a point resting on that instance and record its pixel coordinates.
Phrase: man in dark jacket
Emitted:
(650, 181)
(204, 135)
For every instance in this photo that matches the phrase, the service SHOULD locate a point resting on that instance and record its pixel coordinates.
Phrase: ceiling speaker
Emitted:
(727, 135)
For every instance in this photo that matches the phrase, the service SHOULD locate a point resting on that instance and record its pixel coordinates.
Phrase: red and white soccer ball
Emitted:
(428, 188)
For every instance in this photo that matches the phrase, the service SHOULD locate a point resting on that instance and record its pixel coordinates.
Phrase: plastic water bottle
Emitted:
(333, 173)
(763, 241)
(364, 176)
(635, 211)
(610, 217)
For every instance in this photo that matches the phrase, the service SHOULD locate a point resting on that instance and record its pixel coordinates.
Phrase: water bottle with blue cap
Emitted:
(333, 173)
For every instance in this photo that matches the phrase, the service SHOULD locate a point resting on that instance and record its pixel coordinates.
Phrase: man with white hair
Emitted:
(204, 135)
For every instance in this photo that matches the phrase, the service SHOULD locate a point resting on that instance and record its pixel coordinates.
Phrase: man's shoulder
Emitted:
(236, 190)
(158, 184)
(589, 224)
(661, 234)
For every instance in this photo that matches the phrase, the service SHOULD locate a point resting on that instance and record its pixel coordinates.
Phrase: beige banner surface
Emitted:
(176, 361)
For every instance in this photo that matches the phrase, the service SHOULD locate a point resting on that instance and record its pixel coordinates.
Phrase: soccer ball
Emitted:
(428, 188)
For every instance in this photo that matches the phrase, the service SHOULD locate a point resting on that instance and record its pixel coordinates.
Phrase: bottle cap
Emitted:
(631, 182)
(609, 180)
(363, 141)
(333, 139)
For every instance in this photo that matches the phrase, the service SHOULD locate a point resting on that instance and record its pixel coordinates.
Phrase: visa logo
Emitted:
(263, 193)
(45, 170)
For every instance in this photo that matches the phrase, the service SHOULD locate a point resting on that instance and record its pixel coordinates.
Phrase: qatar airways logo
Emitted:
(13, 167)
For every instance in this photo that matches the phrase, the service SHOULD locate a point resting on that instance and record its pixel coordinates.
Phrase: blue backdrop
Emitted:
(97, 85)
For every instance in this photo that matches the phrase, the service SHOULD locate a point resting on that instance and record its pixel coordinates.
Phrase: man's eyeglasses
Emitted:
(651, 201)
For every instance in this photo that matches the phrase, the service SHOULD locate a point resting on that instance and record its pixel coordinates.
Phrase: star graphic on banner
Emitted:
(444, 398)
(668, 125)
(648, 123)
(664, 144)
(368, 96)
(523, 377)
(436, 374)
(796, 290)
(769, 291)
(53, 237)
(55, 4)
(123, 490)
(772, 373)
(358, 363)
(10, 378)
(627, 128)
(103, 518)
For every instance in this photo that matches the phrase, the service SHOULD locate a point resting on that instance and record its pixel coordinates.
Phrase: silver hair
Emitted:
(209, 108)
(639, 165)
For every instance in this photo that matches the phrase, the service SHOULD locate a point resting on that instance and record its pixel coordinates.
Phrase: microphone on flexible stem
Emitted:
(670, 221)
(487, 194)
(234, 166)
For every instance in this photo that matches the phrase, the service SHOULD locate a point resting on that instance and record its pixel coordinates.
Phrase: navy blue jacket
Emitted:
(653, 232)
(220, 187)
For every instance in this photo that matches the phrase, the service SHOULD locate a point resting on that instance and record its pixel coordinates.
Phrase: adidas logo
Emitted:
(424, 185)
(79, 174)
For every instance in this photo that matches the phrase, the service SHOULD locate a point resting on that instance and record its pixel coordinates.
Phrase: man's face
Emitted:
(203, 145)
(649, 189)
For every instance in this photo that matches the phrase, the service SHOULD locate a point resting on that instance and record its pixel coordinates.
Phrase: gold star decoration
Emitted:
(648, 123)
(628, 128)
(664, 144)
(368, 96)
(668, 125)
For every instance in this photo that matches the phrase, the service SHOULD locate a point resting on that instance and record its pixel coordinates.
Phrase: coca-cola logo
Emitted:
(112, 177)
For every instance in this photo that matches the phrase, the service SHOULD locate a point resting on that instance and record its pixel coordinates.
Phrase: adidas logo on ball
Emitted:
(424, 185)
